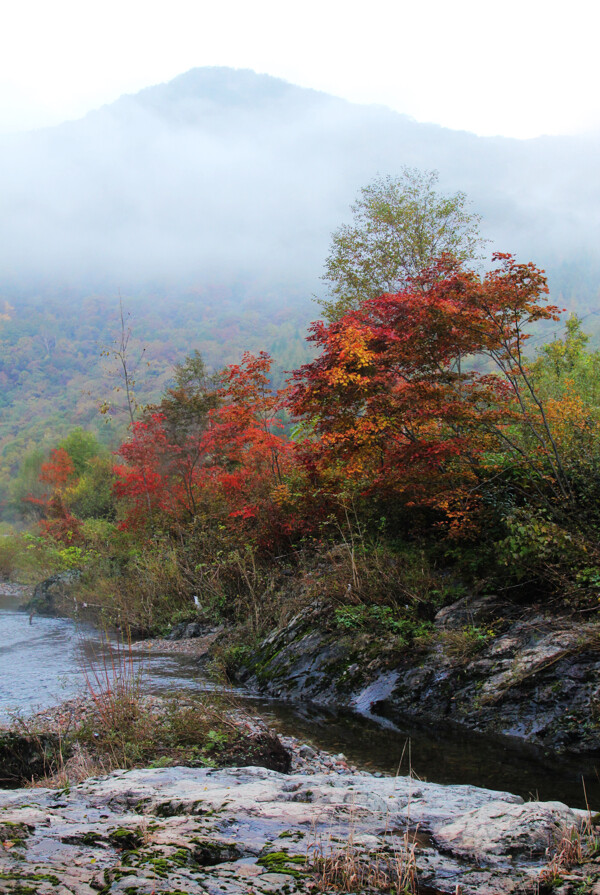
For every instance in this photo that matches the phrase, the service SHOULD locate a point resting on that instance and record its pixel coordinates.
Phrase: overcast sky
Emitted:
(517, 68)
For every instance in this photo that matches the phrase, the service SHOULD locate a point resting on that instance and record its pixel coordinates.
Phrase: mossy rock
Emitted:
(209, 853)
(128, 840)
(282, 862)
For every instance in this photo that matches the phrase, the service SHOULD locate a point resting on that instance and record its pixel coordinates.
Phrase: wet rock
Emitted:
(210, 852)
(488, 666)
(177, 631)
(247, 830)
(469, 611)
(190, 630)
(48, 593)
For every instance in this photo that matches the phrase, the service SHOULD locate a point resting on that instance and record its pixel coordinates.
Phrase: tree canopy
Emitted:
(400, 226)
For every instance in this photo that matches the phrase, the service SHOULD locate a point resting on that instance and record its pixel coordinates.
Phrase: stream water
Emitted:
(47, 661)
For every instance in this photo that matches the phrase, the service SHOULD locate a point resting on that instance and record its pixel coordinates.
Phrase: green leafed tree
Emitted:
(187, 405)
(81, 446)
(400, 226)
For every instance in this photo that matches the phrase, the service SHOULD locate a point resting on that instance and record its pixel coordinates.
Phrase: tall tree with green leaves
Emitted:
(400, 226)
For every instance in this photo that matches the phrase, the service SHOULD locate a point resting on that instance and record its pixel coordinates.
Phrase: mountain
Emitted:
(207, 203)
(232, 177)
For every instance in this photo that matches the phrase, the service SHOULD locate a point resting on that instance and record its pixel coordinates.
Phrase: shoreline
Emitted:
(244, 830)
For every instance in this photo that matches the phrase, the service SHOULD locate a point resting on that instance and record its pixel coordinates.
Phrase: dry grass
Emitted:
(78, 767)
(574, 846)
(350, 869)
(114, 683)
(460, 645)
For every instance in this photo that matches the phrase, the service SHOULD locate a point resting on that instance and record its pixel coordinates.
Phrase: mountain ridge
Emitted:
(225, 174)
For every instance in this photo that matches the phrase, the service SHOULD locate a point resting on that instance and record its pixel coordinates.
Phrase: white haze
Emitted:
(521, 68)
(226, 175)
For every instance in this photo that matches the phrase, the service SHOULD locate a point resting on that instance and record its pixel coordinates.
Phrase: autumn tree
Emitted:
(229, 449)
(391, 399)
(186, 406)
(57, 522)
(57, 470)
(400, 226)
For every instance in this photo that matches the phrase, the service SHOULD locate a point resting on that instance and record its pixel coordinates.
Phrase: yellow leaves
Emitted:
(571, 420)
(281, 494)
(354, 358)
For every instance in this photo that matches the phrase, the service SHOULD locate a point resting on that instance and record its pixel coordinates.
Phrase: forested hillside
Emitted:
(207, 205)
(58, 367)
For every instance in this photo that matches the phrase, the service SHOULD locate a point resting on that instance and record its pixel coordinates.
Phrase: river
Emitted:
(52, 659)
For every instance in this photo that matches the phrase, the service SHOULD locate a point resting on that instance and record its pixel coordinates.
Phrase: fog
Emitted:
(224, 175)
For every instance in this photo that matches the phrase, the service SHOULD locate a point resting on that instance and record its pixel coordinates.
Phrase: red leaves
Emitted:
(58, 470)
(235, 461)
(411, 396)
(61, 525)
(389, 395)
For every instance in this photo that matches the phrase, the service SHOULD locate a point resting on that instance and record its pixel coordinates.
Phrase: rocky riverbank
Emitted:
(487, 665)
(321, 827)
(250, 830)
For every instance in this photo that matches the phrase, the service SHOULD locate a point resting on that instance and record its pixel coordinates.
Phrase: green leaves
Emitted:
(401, 225)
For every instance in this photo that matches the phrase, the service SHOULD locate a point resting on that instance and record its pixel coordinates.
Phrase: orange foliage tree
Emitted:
(236, 460)
(57, 522)
(424, 393)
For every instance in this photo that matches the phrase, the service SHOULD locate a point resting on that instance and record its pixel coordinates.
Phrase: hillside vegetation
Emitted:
(207, 204)
(389, 476)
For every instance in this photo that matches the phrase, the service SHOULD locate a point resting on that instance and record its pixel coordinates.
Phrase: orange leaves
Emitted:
(355, 360)
(389, 397)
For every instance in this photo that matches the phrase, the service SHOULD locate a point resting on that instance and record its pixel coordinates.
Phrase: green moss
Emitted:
(31, 877)
(124, 838)
(181, 857)
(160, 866)
(166, 809)
(14, 831)
(91, 838)
(279, 861)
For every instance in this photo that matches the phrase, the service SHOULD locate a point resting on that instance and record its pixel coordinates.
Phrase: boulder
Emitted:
(246, 830)
(46, 593)
(499, 830)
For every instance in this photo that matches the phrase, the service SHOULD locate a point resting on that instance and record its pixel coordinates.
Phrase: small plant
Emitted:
(385, 620)
(575, 845)
(463, 644)
(115, 683)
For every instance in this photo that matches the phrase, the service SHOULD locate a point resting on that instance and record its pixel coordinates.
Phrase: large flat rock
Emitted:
(250, 830)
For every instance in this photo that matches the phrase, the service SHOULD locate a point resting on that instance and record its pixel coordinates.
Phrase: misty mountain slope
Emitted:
(224, 175)
(208, 204)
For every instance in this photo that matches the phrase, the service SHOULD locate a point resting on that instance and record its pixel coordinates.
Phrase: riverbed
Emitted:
(51, 659)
